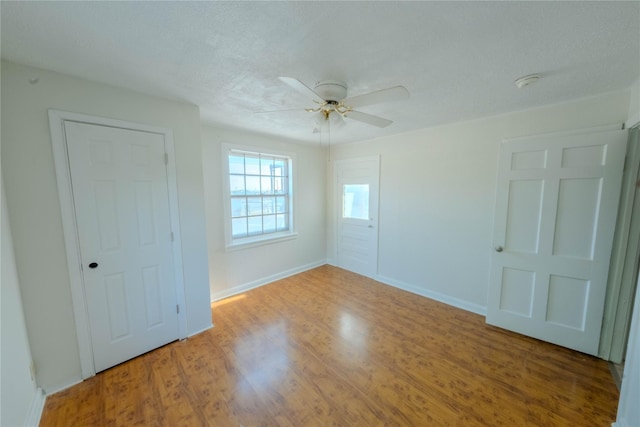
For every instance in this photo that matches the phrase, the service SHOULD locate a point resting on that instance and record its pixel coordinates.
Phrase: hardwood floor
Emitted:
(329, 347)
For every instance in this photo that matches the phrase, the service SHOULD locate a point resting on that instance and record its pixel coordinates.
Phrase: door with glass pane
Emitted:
(357, 183)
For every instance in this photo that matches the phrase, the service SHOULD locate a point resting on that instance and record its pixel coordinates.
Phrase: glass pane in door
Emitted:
(355, 201)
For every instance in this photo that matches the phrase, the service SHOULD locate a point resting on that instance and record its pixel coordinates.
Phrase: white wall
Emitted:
(18, 390)
(437, 195)
(236, 271)
(32, 197)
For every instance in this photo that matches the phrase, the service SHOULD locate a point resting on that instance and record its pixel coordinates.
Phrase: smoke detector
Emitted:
(527, 80)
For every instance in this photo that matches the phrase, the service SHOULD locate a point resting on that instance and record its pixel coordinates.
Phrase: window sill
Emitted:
(259, 241)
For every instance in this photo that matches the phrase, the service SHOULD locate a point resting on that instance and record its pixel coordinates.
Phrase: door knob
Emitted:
(499, 248)
(93, 265)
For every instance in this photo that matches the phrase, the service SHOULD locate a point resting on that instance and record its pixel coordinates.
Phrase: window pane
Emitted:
(266, 166)
(280, 167)
(252, 165)
(253, 184)
(268, 205)
(266, 186)
(236, 163)
(282, 222)
(236, 185)
(355, 201)
(259, 194)
(239, 227)
(255, 225)
(269, 223)
(238, 206)
(280, 185)
(281, 204)
(254, 206)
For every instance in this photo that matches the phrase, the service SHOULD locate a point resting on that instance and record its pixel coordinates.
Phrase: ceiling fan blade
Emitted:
(368, 119)
(395, 93)
(278, 111)
(301, 88)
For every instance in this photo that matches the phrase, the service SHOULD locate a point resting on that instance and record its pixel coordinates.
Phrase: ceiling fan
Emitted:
(333, 106)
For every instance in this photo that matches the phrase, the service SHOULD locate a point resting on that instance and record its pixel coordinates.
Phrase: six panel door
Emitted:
(556, 206)
(120, 193)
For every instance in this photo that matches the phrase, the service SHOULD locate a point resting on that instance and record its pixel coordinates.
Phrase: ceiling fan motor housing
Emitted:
(331, 90)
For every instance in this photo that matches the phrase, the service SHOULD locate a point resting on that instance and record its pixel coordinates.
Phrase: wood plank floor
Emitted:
(329, 347)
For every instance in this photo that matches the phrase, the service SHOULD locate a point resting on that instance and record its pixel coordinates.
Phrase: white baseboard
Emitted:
(59, 388)
(35, 412)
(200, 331)
(265, 280)
(437, 296)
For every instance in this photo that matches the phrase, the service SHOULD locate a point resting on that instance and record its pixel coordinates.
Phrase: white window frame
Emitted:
(232, 243)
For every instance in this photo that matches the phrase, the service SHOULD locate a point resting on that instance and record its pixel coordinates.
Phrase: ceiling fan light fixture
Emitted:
(319, 119)
(328, 116)
(336, 119)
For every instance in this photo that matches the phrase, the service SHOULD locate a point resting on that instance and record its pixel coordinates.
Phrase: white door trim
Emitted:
(65, 195)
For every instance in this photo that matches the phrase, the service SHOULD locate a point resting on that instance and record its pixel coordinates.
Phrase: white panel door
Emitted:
(557, 200)
(357, 184)
(121, 200)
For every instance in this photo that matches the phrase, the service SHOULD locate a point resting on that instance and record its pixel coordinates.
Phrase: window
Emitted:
(259, 196)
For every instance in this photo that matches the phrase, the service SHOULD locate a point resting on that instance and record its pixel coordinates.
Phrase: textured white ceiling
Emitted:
(457, 59)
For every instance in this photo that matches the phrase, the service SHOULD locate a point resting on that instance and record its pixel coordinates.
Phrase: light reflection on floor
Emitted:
(264, 356)
(354, 333)
(228, 300)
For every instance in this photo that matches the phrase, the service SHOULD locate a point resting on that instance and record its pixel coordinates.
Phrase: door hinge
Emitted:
(166, 158)
(177, 309)
(171, 236)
